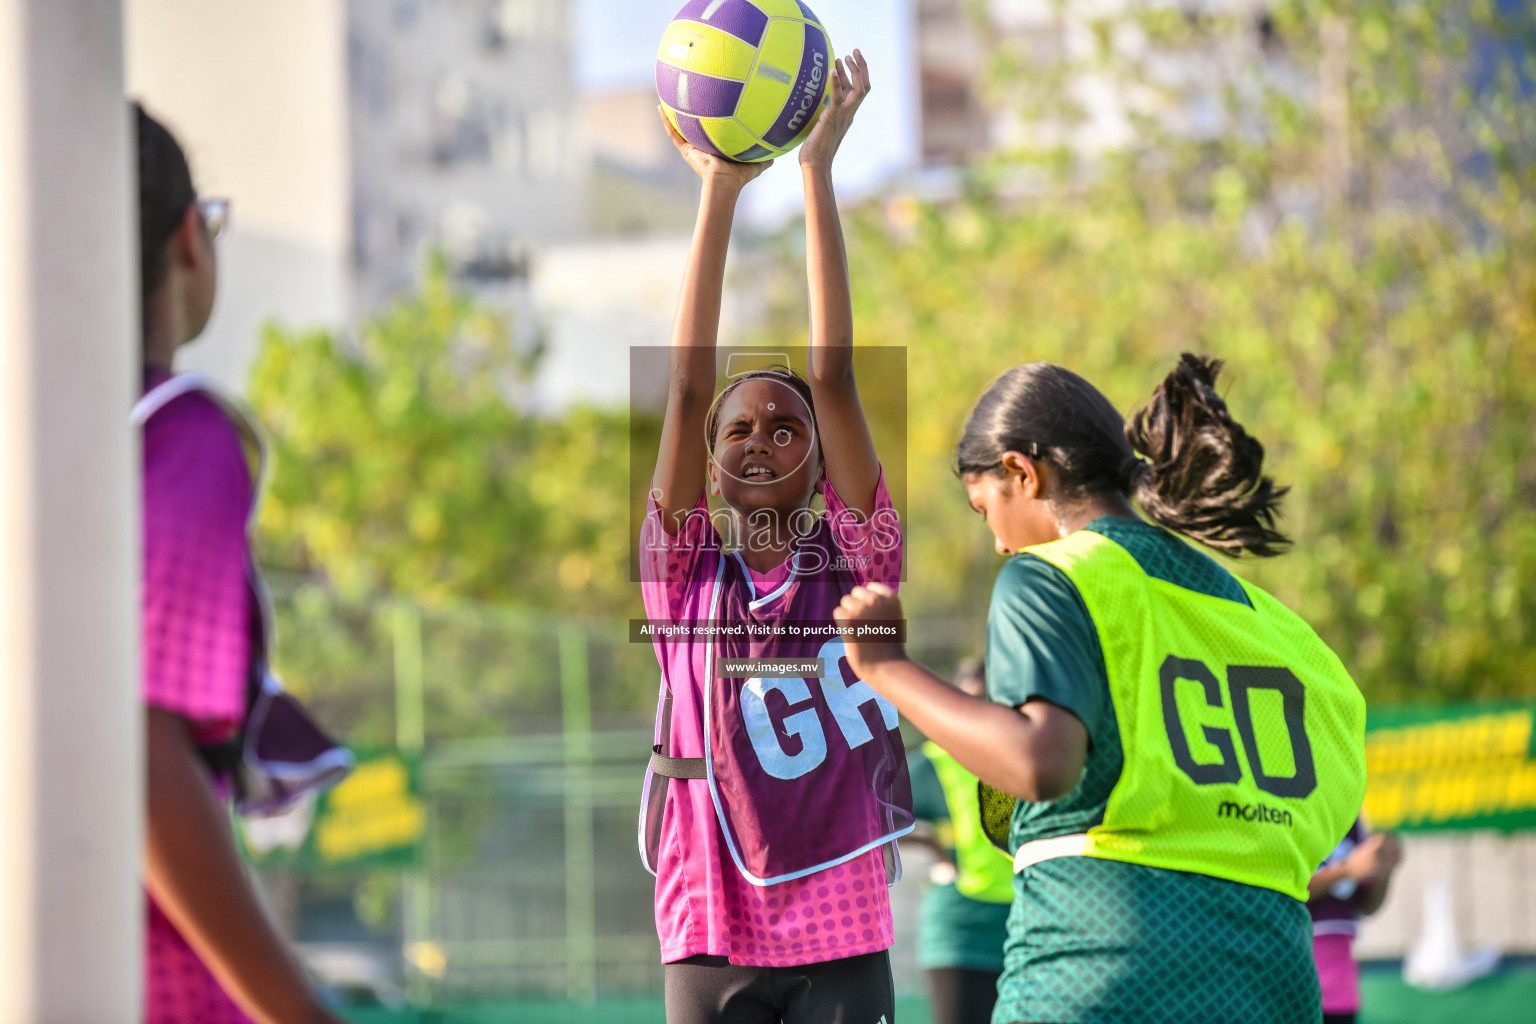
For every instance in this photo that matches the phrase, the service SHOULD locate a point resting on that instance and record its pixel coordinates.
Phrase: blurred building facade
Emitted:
(950, 55)
(461, 129)
(358, 137)
(637, 185)
(958, 40)
(257, 94)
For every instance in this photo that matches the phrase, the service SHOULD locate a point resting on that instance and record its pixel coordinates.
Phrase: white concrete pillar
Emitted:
(70, 764)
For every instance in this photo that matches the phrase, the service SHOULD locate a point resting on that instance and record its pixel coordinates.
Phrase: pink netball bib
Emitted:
(805, 772)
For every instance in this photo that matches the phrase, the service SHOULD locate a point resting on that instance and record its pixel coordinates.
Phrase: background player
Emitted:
(211, 954)
(963, 921)
(1351, 884)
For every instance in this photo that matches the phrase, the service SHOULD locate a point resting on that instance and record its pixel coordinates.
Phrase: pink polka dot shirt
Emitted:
(196, 638)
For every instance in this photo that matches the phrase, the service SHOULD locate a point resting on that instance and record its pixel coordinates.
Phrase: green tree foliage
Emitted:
(406, 470)
(1354, 231)
(409, 465)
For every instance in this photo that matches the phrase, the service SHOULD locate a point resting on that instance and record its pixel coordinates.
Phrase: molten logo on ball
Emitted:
(812, 93)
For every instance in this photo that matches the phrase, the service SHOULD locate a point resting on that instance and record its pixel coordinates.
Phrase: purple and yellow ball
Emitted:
(744, 79)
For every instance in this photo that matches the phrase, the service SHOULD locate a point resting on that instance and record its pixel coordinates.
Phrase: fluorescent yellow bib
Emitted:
(983, 872)
(1243, 734)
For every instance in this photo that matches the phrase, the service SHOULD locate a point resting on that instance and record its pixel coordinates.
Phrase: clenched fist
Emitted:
(876, 603)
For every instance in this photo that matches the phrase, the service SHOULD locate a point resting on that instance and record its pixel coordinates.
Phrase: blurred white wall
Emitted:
(1492, 880)
(257, 94)
(597, 299)
(71, 762)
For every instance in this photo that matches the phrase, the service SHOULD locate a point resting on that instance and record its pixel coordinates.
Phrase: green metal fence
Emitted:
(533, 732)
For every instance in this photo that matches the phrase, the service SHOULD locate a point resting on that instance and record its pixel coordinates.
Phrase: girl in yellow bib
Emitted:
(1168, 752)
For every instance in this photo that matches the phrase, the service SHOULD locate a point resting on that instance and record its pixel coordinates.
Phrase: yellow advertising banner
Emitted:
(375, 816)
(1453, 767)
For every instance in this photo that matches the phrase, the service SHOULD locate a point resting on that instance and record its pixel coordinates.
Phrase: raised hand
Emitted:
(845, 93)
(713, 169)
(1378, 856)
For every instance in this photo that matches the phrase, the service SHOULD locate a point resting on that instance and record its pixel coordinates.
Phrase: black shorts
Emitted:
(712, 990)
(962, 995)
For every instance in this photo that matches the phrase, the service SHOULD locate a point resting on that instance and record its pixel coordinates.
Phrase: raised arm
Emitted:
(846, 445)
(1370, 865)
(680, 463)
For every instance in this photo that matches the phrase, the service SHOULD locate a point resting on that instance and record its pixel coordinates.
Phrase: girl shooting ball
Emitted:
(771, 801)
(1173, 751)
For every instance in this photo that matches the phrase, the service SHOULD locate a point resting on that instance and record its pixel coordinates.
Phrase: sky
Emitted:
(616, 47)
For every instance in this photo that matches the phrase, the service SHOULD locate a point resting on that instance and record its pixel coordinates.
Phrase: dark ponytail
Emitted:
(165, 192)
(1203, 476)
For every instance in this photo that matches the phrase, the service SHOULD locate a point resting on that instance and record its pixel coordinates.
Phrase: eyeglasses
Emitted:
(215, 214)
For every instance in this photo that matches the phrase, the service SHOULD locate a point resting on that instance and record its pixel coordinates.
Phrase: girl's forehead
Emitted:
(756, 396)
(979, 485)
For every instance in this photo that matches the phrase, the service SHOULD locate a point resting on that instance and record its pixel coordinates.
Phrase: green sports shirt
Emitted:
(1094, 939)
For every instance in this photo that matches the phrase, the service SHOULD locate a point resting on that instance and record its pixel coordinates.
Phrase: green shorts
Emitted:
(957, 931)
(1094, 941)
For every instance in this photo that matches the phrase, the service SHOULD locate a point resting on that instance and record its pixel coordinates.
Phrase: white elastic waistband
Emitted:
(1336, 927)
(1049, 849)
